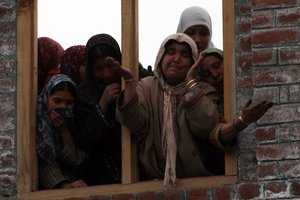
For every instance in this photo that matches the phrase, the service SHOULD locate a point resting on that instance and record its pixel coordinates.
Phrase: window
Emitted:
(27, 68)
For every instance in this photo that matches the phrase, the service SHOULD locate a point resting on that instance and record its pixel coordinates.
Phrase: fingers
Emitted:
(57, 120)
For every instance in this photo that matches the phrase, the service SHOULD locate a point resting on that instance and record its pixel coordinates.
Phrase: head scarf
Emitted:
(170, 126)
(49, 55)
(48, 141)
(91, 90)
(192, 16)
(72, 59)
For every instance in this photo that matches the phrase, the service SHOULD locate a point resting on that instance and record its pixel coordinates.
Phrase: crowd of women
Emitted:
(175, 112)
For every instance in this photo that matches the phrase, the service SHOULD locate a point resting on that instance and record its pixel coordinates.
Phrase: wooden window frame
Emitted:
(26, 106)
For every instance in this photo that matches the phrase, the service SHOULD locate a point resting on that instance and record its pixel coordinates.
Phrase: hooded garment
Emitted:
(72, 59)
(48, 140)
(49, 57)
(167, 130)
(192, 16)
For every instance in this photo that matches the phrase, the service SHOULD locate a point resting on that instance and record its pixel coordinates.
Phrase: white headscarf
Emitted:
(192, 16)
(170, 128)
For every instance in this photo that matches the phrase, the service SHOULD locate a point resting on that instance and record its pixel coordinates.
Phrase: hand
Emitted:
(110, 94)
(193, 73)
(59, 122)
(75, 184)
(252, 113)
(123, 71)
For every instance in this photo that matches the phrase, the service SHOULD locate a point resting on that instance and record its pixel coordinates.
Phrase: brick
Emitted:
(284, 133)
(247, 174)
(276, 190)
(289, 55)
(7, 160)
(268, 171)
(7, 11)
(7, 104)
(123, 197)
(245, 8)
(8, 49)
(266, 135)
(273, 3)
(243, 25)
(244, 81)
(284, 94)
(262, 19)
(295, 132)
(198, 194)
(276, 114)
(147, 196)
(7, 85)
(273, 76)
(265, 153)
(7, 66)
(294, 91)
(171, 194)
(243, 63)
(264, 57)
(290, 169)
(6, 123)
(6, 142)
(277, 36)
(244, 43)
(222, 193)
(288, 17)
(295, 188)
(290, 150)
(249, 191)
(7, 179)
(266, 94)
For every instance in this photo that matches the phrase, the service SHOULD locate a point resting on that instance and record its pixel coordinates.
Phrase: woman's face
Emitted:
(105, 72)
(176, 62)
(61, 99)
(212, 69)
(200, 35)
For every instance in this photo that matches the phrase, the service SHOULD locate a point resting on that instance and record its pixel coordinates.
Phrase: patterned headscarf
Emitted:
(48, 141)
(170, 126)
(91, 89)
(192, 16)
(72, 59)
(49, 55)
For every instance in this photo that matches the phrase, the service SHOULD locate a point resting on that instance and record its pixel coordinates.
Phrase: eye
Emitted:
(57, 100)
(185, 54)
(170, 51)
(70, 102)
(204, 32)
(190, 32)
(216, 65)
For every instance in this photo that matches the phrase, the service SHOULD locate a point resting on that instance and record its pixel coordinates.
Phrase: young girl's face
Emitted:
(105, 72)
(176, 62)
(200, 34)
(61, 99)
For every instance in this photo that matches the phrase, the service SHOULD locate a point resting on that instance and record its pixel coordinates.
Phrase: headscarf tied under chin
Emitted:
(170, 128)
(47, 137)
(192, 16)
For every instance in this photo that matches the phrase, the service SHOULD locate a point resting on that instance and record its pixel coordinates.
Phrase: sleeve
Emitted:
(51, 175)
(202, 110)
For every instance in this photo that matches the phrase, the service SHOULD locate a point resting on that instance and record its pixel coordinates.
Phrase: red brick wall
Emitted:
(267, 59)
(7, 99)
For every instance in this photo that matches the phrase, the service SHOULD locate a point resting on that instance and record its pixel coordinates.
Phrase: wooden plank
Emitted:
(229, 56)
(26, 96)
(130, 60)
(155, 186)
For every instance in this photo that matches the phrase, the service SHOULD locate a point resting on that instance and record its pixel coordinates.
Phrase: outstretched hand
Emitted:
(253, 112)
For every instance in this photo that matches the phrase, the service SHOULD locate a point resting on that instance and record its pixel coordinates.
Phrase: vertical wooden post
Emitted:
(27, 93)
(229, 55)
(129, 60)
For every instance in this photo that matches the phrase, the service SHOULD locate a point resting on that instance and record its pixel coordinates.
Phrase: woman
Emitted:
(73, 63)
(196, 23)
(100, 133)
(49, 55)
(170, 112)
(59, 158)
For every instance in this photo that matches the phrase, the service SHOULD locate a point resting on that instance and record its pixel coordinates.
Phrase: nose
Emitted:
(197, 38)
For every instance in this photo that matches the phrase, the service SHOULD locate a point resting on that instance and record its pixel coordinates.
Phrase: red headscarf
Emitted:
(72, 59)
(49, 55)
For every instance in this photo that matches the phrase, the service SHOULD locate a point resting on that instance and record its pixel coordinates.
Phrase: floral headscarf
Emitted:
(48, 141)
(192, 16)
(49, 55)
(72, 59)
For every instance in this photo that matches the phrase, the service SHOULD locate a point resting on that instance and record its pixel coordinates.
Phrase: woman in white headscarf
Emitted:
(170, 112)
(196, 23)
